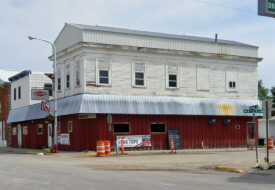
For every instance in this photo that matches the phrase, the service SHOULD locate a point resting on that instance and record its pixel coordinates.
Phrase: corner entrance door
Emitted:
(250, 133)
(19, 136)
(50, 138)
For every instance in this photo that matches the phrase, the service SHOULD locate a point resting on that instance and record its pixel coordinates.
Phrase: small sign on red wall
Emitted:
(38, 94)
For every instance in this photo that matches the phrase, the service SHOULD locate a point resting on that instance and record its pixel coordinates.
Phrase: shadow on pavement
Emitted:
(256, 177)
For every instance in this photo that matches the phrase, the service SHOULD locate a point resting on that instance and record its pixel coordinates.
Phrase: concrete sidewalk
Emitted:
(240, 160)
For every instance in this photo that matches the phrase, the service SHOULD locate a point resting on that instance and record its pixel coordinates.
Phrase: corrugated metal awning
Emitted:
(128, 104)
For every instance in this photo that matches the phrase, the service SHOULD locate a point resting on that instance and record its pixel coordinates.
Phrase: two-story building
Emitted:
(21, 86)
(5, 106)
(148, 82)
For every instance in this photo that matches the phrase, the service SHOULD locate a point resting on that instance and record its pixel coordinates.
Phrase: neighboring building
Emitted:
(149, 82)
(5, 106)
(23, 83)
(271, 129)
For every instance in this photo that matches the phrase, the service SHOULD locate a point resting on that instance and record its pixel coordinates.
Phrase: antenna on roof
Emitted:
(112, 26)
(216, 38)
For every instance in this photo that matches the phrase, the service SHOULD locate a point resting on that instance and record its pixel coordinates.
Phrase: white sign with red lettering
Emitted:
(39, 94)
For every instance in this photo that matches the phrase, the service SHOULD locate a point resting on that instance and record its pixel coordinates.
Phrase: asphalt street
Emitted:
(145, 170)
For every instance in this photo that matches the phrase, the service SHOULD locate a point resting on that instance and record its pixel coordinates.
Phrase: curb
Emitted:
(92, 154)
(228, 169)
(36, 153)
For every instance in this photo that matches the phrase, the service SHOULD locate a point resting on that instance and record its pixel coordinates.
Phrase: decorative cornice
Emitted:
(155, 50)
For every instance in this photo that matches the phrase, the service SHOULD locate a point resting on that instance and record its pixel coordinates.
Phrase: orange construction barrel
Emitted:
(107, 147)
(100, 149)
(270, 143)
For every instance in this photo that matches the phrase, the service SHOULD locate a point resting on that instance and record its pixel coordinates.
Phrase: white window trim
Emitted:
(109, 73)
(77, 85)
(59, 90)
(68, 81)
(134, 75)
(230, 79)
(167, 78)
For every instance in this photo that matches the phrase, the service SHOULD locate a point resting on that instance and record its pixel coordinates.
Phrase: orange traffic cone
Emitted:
(172, 146)
(252, 143)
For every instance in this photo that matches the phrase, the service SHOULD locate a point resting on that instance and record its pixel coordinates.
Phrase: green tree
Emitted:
(273, 96)
(263, 92)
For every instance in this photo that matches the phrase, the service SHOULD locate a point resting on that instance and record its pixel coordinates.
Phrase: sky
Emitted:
(232, 20)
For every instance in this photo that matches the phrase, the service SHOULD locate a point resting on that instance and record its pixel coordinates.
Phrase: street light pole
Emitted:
(55, 90)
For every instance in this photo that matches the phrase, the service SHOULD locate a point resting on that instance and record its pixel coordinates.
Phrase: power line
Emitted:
(224, 6)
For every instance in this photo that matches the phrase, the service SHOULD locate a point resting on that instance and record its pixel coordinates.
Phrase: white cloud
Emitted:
(45, 19)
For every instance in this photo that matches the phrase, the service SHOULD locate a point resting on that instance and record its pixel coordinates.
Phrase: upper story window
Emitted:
(103, 72)
(232, 84)
(138, 74)
(67, 69)
(19, 92)
(68, 81)
(14, 94)
(77, 78)
(172, 77)
(58, 74)
(231, 79)
(0, 107)
(203, 78)
(59, 84)
(139, 79)
(49, 87)
(103, 77)
(77, 73)
(172, 81)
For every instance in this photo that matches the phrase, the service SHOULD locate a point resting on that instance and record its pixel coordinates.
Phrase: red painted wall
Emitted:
(193, 130)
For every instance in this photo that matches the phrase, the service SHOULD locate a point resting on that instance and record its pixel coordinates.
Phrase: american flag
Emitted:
(45, 107)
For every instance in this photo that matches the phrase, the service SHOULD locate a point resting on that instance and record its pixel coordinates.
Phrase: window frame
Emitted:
(123, 123)
(134, 75)
(232, 75)
(99, 77)
(168, 78)
(68, 125)
(38, 126)
(19, 92)
(77, 78)
(14, 131)
(109, 73)
(233, 84)
(25, 130)
(59, 84)
(50, 89)
(159, 123)
(14, 94)
(68, 81)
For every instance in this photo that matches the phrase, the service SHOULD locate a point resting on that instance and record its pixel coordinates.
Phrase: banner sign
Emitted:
(134, 140)
(37, 94)
(63, 138)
